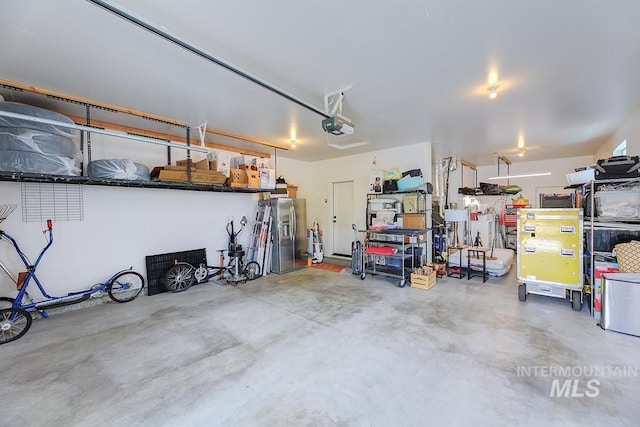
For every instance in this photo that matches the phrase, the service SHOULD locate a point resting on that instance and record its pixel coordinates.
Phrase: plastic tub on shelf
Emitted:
(618, 205)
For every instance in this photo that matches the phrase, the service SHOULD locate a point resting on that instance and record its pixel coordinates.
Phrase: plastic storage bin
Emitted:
(409, 182)
(618, 205)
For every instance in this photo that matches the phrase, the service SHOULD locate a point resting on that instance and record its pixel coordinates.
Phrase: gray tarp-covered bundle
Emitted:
(31, 147)
(118, 169)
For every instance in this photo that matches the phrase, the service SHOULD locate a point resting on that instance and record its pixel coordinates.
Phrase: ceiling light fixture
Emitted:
(526, 175)
(492, 91)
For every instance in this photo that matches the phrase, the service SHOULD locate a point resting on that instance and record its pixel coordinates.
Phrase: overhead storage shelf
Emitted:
(85, 180)
(87, 126)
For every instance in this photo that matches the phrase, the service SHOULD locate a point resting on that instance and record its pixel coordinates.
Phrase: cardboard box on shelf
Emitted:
(292, 191)
(219, 166)
(219, 155)
(206, 164)
(220, 161)
(262, 163)
(248, 167)
(253, 179)
(238, 178)
(201, 164)
(413, 222)
(175, 168)
(243, 160)
(155, 172)
(179, 174)
(267, 178)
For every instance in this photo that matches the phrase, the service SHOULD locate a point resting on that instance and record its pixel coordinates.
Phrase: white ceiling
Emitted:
(568, 70)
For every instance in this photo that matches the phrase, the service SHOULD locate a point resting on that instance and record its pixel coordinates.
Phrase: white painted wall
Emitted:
(314, 180)
(121, 226)
(320, 176)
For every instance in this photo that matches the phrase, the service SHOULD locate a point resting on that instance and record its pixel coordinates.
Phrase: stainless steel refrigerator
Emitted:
(289, 233)
(621, 302)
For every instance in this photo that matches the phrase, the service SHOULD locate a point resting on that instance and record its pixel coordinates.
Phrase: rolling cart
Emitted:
(549, 254)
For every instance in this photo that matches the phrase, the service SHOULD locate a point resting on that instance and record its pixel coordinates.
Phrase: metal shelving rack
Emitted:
(595, 225)
(403, 239)
(401, 272)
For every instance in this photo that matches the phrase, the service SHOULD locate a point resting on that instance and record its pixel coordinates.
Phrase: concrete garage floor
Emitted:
(320, 348)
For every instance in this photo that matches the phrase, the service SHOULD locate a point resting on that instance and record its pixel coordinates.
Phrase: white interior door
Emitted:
(343, 217)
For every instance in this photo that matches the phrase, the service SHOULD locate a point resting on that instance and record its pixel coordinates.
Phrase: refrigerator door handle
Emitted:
(292, 211)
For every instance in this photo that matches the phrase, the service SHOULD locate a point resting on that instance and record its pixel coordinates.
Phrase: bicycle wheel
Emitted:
(179, 277)
(252, 270)
(126, 286)
(14, 323)
(6, 302)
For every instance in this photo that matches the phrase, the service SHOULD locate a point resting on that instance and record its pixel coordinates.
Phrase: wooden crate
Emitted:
(208, 177)
(423, 282)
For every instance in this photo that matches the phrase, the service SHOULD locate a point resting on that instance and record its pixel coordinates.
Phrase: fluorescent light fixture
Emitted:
(526, 175)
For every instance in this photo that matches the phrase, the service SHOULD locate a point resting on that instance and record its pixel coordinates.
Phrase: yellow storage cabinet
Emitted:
(549, 260)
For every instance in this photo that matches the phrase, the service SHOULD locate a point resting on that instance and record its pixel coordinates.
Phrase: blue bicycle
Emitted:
(15, 313)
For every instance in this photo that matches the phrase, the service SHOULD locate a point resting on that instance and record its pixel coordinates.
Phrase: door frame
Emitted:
(332, 182)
